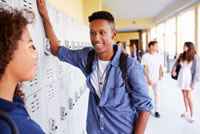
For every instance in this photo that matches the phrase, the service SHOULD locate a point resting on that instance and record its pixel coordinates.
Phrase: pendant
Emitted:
(101, 83)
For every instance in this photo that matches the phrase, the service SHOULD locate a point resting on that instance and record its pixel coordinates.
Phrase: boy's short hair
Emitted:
(101, 15)
(105, 15)
(152, 43)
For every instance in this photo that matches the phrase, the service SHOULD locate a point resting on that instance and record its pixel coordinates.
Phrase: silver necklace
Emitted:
(101, 77)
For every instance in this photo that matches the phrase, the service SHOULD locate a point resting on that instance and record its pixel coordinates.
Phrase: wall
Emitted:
(126, 36)
(78, 9)
(73, 8)
(90, 6)
(175, 9)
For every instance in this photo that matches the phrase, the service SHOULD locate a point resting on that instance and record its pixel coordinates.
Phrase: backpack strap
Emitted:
(124, 69)
(90, 59)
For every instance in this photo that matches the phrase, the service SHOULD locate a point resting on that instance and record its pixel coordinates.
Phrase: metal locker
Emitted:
(53, 97)
(31, 87)
(28, 4)
(35, 106)
(6, 3)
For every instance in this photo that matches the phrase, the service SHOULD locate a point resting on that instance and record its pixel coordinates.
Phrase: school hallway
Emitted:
(172, 107)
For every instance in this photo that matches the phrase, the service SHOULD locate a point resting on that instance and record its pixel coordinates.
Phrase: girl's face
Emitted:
(185, 48)
(23, 65)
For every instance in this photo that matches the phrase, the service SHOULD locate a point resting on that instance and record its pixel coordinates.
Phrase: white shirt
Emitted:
(99, 75)
(153, 63)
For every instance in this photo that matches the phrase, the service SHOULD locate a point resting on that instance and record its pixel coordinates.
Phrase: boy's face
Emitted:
(101, 35)
(154, 48)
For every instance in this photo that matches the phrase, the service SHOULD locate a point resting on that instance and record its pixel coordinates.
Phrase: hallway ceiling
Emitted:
(133, 11)
(137, 9)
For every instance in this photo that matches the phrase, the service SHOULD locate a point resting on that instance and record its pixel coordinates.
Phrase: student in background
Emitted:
(18, 62)
(187, 78)
(153, 66)
(135, 52)
(121, 45)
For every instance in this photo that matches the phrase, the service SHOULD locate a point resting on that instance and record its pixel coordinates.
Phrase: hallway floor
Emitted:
(172, 106)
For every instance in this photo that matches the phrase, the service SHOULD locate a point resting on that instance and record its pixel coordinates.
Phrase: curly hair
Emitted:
(12, 24)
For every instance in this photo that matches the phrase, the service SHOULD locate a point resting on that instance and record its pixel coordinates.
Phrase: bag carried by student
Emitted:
(176, 68)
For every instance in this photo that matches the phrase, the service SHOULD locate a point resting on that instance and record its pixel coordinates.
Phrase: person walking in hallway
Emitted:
(187, 78)
(153, 66)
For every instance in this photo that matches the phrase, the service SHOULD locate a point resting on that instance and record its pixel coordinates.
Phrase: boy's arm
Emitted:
(48, 27)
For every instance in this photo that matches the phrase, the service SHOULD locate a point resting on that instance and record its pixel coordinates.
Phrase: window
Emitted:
(186, 28)
(158, 33)
(198, 30)
(144, 41)
(170, 37)
(153, 34)
(161, 37)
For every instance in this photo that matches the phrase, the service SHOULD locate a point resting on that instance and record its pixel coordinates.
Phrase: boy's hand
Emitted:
(42, 8)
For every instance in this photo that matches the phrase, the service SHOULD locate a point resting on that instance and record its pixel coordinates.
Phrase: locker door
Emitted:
(51, 94)
(35, 107)
(5, 3)
(27, 4)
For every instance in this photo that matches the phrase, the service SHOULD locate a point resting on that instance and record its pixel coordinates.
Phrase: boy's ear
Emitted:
(114, 34)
